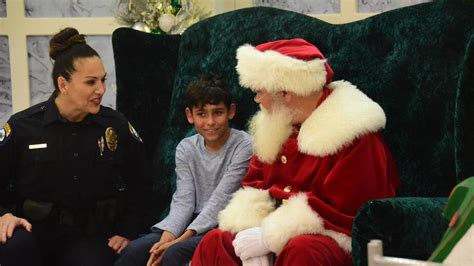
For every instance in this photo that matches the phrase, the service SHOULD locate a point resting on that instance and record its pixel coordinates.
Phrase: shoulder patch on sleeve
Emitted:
(5, 133)
(134, 132)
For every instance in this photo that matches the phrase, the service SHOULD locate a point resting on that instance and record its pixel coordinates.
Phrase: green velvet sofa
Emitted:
(416, 62)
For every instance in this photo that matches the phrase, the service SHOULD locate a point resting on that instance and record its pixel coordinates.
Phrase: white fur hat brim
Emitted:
(273, 72)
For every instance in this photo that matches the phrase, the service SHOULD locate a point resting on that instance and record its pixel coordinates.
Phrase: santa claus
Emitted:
(318, 158)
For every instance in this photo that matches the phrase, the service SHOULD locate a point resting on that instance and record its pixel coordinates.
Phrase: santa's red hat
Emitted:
(285, 65)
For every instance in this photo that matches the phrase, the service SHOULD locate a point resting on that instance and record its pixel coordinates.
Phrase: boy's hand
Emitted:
(160, 248)
(166, 237)
(157, 254)
(157, 245)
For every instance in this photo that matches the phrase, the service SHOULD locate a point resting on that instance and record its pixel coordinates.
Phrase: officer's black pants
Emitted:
(21, 249)
(55, 248)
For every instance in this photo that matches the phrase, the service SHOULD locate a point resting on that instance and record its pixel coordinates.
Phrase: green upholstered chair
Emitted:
(416, 62)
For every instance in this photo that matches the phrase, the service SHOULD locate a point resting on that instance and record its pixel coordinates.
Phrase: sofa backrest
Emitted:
(416, 62)
(145, 70)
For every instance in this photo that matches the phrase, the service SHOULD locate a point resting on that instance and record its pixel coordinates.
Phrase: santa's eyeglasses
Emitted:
(260, 95)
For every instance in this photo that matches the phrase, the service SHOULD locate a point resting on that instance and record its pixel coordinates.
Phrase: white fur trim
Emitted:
(273, 71)
(247, 208)
(295, 218)
(291, 219)
(344, 116)
(344, 241)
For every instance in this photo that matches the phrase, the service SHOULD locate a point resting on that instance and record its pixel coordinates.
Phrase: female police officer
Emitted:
(75, 170)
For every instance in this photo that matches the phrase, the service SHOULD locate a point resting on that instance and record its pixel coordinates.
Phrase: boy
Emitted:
(209, 168)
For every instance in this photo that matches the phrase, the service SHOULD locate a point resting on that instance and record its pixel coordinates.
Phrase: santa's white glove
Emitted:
(249, 243)
(265, 260)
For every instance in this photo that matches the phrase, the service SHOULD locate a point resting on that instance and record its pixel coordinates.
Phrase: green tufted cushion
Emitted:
(408, 227)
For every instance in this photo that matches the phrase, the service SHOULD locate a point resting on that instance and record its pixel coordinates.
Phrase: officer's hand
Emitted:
(8, 223)
(118, 243)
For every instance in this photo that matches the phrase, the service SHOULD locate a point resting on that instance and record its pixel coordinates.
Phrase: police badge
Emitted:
(2, 135)
(111, 139)
(5, 133)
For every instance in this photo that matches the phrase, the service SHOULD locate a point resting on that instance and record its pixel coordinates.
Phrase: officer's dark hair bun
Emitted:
(65, 47)
(63, 40)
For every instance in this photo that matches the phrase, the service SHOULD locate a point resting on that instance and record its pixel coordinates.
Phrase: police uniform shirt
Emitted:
(74, 165)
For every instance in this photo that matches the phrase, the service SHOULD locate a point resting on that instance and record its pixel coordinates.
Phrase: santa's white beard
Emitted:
(270, 130)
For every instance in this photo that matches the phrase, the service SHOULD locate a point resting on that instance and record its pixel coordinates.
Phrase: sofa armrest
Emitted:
(408, 227)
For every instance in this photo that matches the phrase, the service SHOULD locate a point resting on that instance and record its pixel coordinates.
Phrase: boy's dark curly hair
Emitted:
(208, 89)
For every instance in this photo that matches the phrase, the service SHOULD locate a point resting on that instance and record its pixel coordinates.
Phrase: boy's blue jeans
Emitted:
(137, 251)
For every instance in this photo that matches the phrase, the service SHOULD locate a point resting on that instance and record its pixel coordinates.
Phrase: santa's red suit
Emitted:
(305, 190)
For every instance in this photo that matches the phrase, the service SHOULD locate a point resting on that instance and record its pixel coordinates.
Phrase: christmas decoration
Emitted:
(160, 16)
